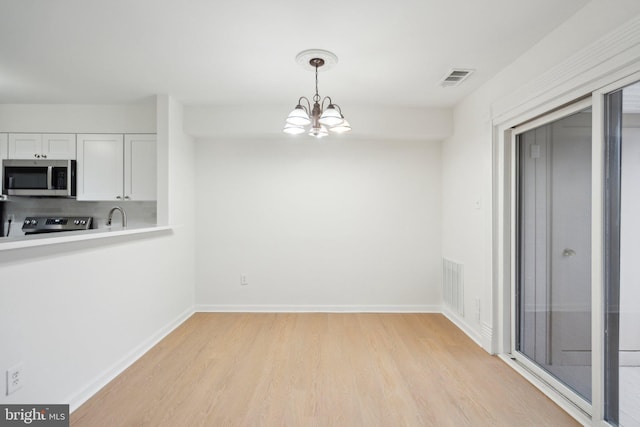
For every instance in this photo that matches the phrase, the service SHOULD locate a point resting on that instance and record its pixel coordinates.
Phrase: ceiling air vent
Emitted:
(455, 76)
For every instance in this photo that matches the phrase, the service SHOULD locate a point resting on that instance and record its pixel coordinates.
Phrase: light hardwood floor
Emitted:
(318, 369)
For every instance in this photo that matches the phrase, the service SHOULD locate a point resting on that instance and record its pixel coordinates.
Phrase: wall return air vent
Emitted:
(455, 76)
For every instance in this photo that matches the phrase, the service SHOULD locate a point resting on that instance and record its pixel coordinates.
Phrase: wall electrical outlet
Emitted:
(15, 378)
(243, 280)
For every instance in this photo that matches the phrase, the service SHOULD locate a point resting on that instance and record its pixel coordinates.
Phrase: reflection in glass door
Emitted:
(622, 250)
(553, 267)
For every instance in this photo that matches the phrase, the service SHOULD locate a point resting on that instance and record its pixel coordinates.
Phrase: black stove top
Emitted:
(51, 224)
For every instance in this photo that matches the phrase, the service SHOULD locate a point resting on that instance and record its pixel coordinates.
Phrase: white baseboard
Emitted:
(462, 325)
(487, 337)
(230, 308)
(116, 369)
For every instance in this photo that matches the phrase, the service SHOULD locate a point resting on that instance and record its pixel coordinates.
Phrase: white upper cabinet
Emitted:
(116, 167)
(4, 138)
(100, 167)
(51, 146)
(140, 167)
(59, 146)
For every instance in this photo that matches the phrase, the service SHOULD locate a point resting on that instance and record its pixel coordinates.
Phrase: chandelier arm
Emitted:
(338, 108)
(308, 107)
(324, 99)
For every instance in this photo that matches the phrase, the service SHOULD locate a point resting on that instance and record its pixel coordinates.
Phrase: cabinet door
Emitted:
(59, 146)
(56, 146)
(25, 145)
(100, 167)
(4, 146)
(140, 166)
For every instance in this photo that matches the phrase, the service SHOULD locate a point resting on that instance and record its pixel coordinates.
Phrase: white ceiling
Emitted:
(232, 53)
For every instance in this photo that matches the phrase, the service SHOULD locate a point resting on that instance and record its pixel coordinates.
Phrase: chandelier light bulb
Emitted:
(341, 128)
(298, 117)
(331, 116)
(293, 129)
(318, 132)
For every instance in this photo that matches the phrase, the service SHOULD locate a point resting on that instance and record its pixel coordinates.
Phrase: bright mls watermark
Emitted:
(34, 415)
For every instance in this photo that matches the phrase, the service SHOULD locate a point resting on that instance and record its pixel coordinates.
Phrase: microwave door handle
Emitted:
(50, 178)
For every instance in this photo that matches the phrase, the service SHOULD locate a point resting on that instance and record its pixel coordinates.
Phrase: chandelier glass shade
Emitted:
(319, 118)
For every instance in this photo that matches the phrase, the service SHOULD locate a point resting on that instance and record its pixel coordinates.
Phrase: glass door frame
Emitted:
(546, 377)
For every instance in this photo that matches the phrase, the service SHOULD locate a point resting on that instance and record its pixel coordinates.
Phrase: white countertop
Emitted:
(7, 243)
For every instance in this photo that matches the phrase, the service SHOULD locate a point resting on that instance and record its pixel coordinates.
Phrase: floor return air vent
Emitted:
(453, 285)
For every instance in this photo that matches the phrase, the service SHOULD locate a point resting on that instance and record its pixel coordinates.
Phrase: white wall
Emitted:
(424, 124)
(466, 160)
(466, 209)
(176, 171)
(318, 225)
(71, 313)
(77, 313)
(139, 118)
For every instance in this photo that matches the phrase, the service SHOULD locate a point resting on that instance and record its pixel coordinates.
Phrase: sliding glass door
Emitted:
(568, 245)
(553, 250)
(622, 255)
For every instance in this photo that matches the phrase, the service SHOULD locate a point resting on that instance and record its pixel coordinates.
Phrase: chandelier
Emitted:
(317, 120)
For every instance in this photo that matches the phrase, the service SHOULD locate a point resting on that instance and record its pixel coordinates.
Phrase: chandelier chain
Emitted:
(316, 97)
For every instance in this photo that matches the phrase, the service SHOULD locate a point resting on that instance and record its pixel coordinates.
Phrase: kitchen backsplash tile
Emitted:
(139, 214)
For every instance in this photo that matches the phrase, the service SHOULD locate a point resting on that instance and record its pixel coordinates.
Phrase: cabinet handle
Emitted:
(127, 198)
(118, 197)
(37, 156)
(44, 156)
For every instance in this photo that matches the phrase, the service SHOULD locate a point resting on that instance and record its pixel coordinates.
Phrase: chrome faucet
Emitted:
(110, 216)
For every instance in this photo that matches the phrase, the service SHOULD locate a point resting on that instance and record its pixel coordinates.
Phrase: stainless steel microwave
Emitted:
(39, 178)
